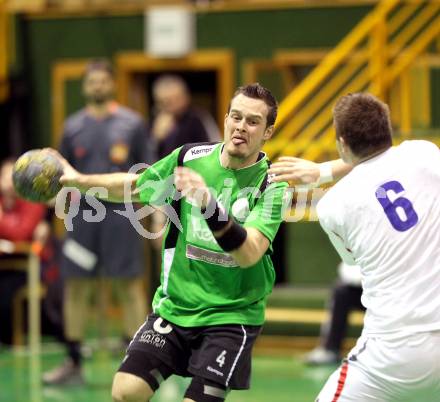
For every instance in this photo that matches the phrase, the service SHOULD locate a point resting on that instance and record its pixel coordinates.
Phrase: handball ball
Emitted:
(36, 176)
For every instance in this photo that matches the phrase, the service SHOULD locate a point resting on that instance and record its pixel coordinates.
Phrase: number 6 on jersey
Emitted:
(391, 207)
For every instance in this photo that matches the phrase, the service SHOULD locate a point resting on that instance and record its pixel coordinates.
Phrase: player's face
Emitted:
(245, 127)
(98, 87)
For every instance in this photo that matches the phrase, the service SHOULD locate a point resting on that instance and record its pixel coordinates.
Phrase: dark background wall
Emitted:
(249, 34)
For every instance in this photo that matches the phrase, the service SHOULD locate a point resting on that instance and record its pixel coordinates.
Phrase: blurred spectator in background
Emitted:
(103, 137)
(20, 221)
(175, 120)
(346, 296)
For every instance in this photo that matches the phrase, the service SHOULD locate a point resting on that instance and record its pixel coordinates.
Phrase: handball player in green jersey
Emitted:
(216, 267)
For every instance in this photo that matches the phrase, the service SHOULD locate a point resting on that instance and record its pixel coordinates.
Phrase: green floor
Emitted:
(280, 379)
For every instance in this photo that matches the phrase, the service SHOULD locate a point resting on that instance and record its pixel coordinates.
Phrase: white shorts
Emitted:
(399, 370)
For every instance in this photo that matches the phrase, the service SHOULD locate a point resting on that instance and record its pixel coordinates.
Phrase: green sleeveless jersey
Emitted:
(200, 283)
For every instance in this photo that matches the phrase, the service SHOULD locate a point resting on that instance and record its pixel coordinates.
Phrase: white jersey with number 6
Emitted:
(385, 216)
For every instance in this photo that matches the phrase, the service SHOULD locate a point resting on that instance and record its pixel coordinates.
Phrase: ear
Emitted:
(268, 133)
(342, 148)
(342, 143)
(226, 117)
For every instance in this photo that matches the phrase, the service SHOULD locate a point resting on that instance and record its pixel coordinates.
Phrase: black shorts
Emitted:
(220, 353)
(114, 243)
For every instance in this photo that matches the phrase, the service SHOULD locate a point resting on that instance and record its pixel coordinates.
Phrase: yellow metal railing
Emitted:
(376, 54)
(4, 87)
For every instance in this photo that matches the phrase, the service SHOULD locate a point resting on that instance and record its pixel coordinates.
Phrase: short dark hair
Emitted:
(257, 91)
(363, 121)
(99, 65)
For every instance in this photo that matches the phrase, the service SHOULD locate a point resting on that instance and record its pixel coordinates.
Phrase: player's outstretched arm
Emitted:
(118, 187)
(302, 171)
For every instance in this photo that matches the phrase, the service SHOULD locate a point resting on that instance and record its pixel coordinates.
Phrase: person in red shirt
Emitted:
(18, 217)
(20, 221)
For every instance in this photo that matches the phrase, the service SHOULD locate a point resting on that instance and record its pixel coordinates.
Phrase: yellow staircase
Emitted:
(379, 51)
(4, 86)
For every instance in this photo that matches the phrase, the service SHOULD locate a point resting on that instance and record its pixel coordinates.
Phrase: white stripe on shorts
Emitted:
(238, 355)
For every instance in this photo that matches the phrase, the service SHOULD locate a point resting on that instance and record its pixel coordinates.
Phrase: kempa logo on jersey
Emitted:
(297, 204)
(199, 151)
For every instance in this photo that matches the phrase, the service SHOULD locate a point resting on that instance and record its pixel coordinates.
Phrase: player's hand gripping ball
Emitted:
(36, 176)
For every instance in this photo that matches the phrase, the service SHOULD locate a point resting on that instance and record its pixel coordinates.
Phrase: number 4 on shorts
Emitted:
(221, 358)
